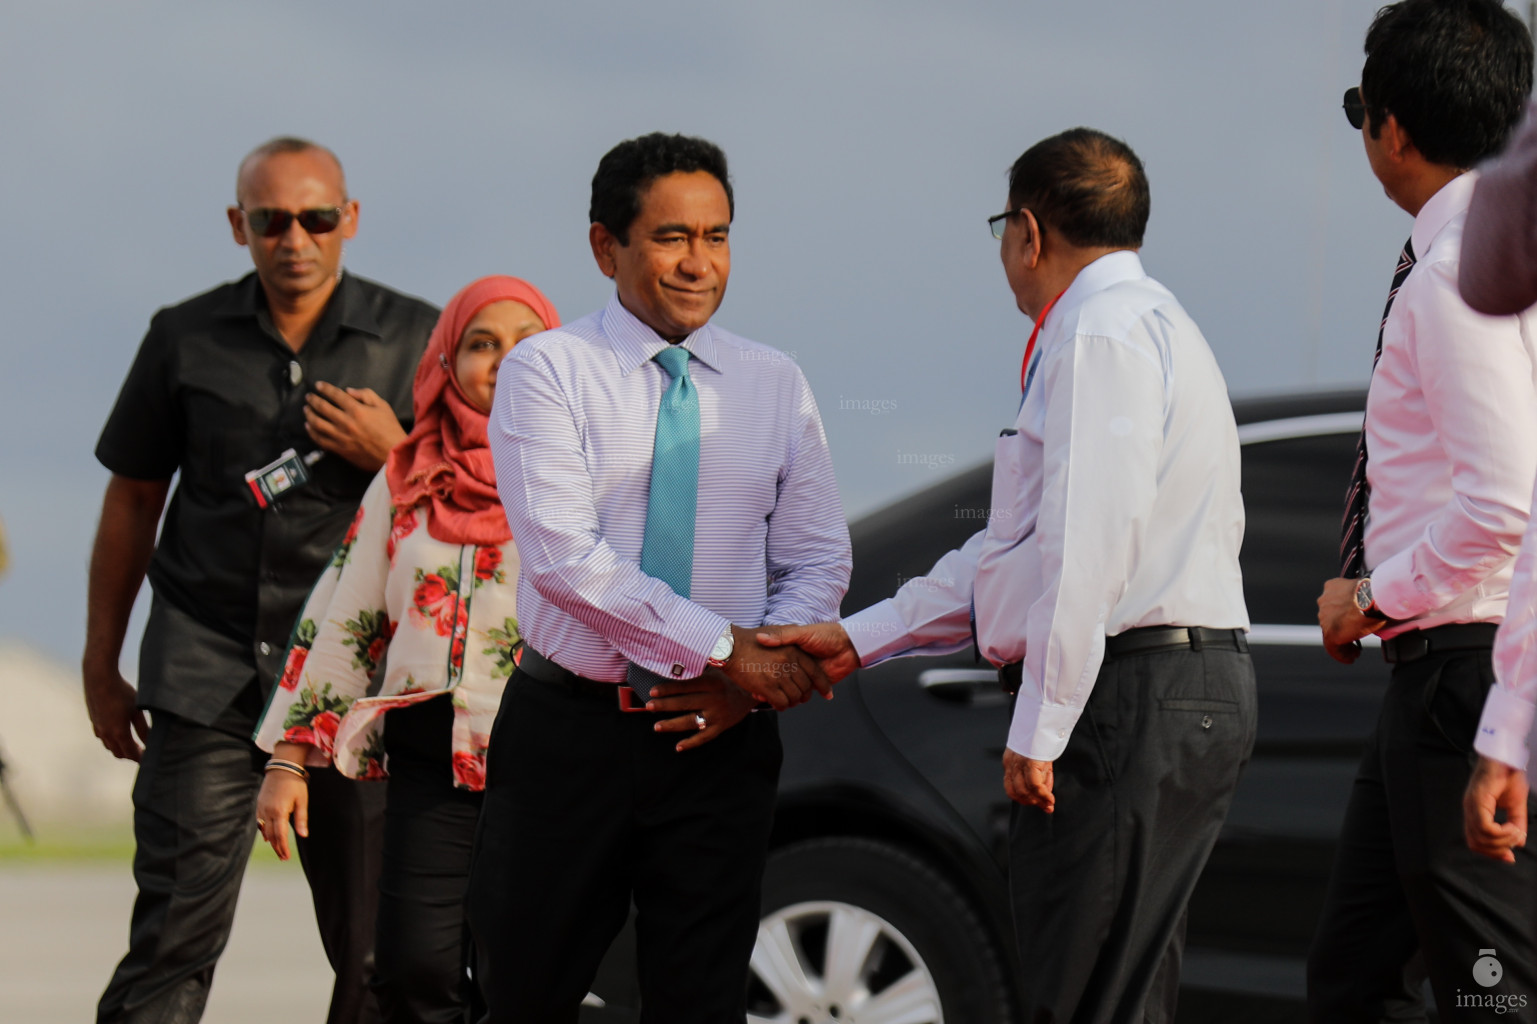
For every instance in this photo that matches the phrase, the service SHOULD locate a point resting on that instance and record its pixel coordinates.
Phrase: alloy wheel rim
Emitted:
(826, 962)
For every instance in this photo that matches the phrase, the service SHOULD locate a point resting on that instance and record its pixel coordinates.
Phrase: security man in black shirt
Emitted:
(276, 398)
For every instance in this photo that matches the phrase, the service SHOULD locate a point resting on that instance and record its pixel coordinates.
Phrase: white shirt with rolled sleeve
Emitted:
(572, 431)
(1115, 505)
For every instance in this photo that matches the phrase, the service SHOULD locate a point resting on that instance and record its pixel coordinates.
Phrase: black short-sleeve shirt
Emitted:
(213, 393)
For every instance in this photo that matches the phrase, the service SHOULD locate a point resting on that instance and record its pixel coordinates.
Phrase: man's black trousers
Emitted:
(587, 807)
(1101, 884)
(1408, 898)
(194, 825)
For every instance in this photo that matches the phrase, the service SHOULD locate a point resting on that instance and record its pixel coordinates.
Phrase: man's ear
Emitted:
(236, 224)
(1396, 138)
(603, 245)
(350, 219)
(1033, 248)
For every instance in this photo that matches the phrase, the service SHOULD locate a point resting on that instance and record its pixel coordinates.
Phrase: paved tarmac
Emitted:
(64, 927)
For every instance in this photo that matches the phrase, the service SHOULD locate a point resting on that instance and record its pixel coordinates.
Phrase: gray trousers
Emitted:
(194, 825)
(1100, 886)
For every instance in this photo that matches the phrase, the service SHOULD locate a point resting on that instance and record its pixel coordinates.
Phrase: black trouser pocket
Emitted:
(1202, 707)
(1453, 695)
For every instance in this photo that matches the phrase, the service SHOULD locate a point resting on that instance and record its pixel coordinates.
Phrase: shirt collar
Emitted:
(635, 343)
(1110, 269)
(1439, 209)
(353, 312)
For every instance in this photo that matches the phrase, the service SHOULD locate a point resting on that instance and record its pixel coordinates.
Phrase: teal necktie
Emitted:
(667, 551)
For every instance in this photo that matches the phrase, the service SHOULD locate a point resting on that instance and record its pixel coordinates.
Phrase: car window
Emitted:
(1294, 497)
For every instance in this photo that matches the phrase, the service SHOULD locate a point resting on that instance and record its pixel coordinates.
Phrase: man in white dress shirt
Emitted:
(668, 483)
(1498, 276)
(1438, 503)
(1106, 587)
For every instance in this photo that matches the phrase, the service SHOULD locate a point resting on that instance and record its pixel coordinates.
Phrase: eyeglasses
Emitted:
(1355, 109)
(271, 223)
(995, 223)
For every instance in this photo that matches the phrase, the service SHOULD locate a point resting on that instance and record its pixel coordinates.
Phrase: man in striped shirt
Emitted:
(670, 489)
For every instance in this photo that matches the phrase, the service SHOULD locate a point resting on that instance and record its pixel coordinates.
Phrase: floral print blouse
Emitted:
(445, 613)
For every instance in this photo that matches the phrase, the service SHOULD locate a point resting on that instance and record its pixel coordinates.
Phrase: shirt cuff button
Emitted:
(677, 671)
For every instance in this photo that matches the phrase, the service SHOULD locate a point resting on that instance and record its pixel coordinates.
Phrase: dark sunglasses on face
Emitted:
(270, 223)
(1355, 110)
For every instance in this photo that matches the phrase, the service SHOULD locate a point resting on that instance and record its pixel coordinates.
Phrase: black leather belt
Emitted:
(1148, 640)
(537, 666)
(1421, 643)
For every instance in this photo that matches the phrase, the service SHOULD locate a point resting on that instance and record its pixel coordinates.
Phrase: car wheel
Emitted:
(856, 931)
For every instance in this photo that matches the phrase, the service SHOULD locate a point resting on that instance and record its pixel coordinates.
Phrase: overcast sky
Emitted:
(868, 141)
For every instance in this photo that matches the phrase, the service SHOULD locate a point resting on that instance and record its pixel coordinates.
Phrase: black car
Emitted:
(885, 899)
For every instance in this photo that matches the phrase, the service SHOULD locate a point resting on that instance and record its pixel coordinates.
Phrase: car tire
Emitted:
(858, 931)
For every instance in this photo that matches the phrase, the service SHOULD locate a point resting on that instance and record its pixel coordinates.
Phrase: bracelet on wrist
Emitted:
(288, 766)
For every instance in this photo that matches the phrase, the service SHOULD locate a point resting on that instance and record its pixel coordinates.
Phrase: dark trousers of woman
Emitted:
(429, 830)
(1408, 899)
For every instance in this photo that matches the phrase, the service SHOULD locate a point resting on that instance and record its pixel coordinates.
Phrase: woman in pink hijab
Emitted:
(428, 574)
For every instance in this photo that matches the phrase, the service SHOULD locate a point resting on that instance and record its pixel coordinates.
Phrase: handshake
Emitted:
(781, 665)
(775, 665)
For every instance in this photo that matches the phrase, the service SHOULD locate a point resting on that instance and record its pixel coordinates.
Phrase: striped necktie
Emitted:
(667, 552)
(1353, 528)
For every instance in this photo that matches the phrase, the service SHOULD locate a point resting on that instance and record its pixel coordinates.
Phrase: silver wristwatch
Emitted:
(721, 652)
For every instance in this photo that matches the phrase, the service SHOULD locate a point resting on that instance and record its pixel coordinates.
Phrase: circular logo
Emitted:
(1486, 970)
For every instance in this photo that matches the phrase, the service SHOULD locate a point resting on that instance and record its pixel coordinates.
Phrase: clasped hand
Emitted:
(708, 706)
(776, 665)
(782, 665)
(823, 645)
(1342, 622)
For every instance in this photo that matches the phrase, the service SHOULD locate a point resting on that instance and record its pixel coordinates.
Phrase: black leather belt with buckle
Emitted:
(537, 666)
(1421, 643)
(1148, 640)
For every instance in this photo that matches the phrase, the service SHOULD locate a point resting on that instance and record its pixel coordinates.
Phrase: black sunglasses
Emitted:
(270, 223)
(1355, 110)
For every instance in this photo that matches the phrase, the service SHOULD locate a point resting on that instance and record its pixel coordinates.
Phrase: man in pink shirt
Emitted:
(1438, 501)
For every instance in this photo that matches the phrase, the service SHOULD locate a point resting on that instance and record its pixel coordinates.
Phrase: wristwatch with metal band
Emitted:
(721, 652)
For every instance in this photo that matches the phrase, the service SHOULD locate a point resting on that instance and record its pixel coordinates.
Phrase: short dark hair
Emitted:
(629, 168)
(1085, 185)
(1456, 74)
(279, 145)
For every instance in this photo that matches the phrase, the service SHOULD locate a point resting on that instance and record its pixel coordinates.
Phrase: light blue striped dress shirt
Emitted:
(572, 432)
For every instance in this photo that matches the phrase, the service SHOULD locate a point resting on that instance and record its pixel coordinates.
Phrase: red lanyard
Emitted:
(1024, 367)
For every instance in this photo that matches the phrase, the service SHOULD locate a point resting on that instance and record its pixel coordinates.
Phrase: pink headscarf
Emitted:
(446, 459)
